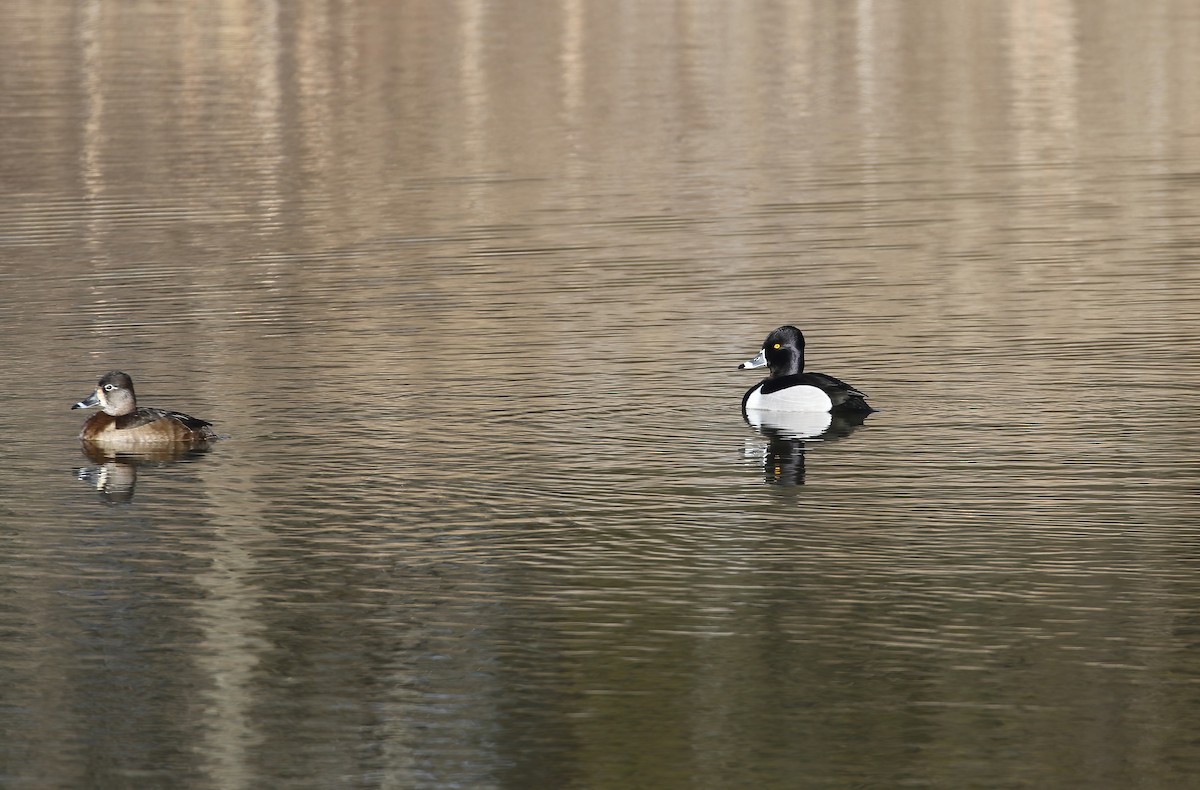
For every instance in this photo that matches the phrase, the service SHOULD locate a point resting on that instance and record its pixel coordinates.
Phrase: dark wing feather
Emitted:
(840, 393)
(828, 383)
(145, 416)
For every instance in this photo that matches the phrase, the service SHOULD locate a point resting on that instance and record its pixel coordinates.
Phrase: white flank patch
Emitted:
(801, 398)
(794, 424)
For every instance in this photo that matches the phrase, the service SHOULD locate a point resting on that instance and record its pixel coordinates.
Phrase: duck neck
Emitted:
(789, 364)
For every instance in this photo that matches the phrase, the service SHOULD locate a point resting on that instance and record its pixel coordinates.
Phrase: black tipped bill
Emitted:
(88, 402)
(758, 362)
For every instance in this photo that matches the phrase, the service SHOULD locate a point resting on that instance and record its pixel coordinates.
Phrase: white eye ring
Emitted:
(109, 387)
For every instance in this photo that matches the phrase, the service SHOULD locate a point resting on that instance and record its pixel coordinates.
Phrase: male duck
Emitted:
(121, 424)
(789, 388)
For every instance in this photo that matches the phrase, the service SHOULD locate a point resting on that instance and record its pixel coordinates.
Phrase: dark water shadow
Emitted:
(788, 435)
(114, 474)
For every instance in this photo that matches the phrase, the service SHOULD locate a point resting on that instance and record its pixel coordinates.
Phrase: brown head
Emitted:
(114, 395)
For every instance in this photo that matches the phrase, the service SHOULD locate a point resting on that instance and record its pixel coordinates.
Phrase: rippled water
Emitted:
(465, 285)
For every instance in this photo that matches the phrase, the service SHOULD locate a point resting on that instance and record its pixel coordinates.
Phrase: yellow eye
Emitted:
(778, 346)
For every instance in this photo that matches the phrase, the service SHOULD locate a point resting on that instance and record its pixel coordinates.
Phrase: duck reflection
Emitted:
(787, 434)
(114, 474)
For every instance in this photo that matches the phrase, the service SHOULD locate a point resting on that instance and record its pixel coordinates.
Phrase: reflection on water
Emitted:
(789, 433)
(114, 474)
(462, 281)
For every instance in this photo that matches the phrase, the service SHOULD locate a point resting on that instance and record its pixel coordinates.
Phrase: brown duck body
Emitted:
(122, 424)
(145, 426)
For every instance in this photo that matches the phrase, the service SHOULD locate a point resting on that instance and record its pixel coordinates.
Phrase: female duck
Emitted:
(121, 424)
(789, 388)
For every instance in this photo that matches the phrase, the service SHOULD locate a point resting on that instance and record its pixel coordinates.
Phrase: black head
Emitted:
(782, 352)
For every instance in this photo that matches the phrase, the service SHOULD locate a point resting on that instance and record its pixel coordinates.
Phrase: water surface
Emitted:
(465, 285)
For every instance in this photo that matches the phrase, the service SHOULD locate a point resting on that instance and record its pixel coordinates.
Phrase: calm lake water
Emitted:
(465, 285)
